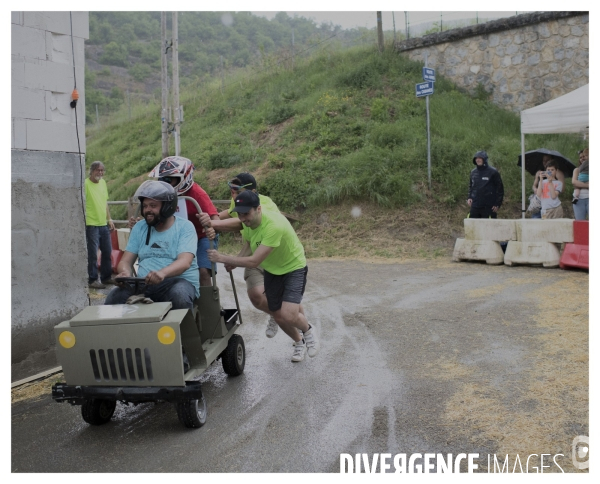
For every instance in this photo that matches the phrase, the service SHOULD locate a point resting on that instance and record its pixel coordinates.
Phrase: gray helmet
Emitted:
(162, 192)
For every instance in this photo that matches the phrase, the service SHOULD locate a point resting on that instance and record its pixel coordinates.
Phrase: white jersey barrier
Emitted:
(539, 241)
(482, 240)
(530, 241)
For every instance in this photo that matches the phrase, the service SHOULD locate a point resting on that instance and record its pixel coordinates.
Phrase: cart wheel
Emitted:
(234, 356)
(98, 412)
(192, 413)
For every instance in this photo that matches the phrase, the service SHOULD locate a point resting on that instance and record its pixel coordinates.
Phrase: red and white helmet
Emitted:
(175, 167)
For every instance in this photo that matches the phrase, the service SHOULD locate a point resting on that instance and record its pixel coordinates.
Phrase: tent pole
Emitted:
(522, 174)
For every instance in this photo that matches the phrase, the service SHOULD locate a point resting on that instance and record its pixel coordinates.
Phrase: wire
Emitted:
(76, 123)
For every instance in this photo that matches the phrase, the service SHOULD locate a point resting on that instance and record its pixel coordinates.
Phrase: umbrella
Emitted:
(533, 161)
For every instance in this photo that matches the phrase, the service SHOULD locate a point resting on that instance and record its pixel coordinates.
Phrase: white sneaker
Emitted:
(299, 350)
(272, 328)
(312, 345)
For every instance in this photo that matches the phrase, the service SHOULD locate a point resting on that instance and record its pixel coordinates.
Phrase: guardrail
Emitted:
(132, 208)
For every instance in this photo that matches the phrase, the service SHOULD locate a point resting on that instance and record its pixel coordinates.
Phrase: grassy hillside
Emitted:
(345, 127)
(123, 49)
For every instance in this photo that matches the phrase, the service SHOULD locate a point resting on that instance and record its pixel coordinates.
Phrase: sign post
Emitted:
(426, 89)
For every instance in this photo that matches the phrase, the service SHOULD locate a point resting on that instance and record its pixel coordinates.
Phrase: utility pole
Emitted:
(428, 133)
(379, 32)
(176, 106)
(406, 25)
(292, 48)
(222, 75)
(394, 21)
(163, 80)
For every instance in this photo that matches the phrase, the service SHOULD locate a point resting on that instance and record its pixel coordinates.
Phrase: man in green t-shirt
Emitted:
(229, 222)
(271, 243)
(98, 226)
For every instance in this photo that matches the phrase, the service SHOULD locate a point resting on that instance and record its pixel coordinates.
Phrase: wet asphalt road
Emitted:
(378, 326)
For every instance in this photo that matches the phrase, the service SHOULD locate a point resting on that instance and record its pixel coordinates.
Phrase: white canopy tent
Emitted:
(566, 114)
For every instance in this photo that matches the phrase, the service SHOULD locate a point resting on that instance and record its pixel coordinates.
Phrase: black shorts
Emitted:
(286, 287)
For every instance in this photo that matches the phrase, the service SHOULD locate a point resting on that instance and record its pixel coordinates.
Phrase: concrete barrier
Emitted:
(529, 241)
(577, 254)
(482, 240)
(555, 230)
(490, 229)
(545, 253)
(538, 242)
(478, 250)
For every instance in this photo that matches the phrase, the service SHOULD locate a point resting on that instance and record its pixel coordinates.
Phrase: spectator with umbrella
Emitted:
(548, 190)
(537, 162)
(581, 182)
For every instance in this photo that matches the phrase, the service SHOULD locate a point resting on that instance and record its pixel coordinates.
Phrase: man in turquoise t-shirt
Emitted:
(166, 247)
(274, 246)
(98, 226)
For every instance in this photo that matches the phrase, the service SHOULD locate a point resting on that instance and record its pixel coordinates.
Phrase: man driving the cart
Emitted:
(166, 248)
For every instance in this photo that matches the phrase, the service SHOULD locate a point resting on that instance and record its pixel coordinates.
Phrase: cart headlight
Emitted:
(66, 339)
(166, 335)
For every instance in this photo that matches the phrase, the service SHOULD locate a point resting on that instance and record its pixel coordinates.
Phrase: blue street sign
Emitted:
(428, 74)
(424, 89)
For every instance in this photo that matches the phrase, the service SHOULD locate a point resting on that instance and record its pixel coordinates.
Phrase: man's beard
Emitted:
(155, 220)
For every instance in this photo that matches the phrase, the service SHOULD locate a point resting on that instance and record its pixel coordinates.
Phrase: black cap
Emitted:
(247, 181)
(246, 201)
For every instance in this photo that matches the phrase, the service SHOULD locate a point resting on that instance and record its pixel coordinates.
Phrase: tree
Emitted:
(114, 55)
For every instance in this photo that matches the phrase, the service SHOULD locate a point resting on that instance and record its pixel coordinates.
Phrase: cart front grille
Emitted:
(121, 364)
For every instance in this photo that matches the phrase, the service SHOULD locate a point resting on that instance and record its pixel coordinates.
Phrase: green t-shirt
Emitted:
(265, 202)
(96, 196)
(275, 231)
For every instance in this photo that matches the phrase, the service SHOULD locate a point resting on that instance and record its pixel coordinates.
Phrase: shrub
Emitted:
(140, 72)
(279, 114)
(114, 55)
(222, 159)
(379, 110)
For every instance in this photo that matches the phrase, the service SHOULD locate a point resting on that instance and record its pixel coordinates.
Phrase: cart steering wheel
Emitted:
(133, 283)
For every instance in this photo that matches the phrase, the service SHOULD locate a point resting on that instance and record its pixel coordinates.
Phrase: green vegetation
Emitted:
(131, 42)
(343, 127)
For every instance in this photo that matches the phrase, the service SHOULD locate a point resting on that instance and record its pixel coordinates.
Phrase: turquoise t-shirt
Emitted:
(164, 247)
(276, 231)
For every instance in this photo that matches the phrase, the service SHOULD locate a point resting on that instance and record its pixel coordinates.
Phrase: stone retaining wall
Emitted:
(520, 61)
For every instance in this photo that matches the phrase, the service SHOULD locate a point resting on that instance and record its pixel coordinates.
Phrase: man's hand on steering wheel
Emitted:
(122, 274)
(155, 277)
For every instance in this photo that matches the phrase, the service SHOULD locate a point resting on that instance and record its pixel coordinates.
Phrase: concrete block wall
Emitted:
(521, 61)
(48, 247)
(42, 80)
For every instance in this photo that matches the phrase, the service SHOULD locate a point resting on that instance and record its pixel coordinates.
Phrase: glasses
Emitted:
(237, 188)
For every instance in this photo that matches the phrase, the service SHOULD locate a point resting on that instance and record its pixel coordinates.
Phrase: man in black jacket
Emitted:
(485, 188)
